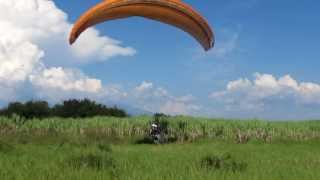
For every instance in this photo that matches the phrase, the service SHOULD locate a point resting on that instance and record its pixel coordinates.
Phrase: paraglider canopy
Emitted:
(172, 12)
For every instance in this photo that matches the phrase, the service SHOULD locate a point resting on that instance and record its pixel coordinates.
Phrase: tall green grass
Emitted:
(106, 148)
(79, 159)
(183, 128)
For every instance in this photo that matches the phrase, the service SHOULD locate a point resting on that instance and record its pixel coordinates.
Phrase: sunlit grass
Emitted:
(106, 148)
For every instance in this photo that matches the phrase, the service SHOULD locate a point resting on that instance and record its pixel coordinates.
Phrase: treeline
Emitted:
(72, 108)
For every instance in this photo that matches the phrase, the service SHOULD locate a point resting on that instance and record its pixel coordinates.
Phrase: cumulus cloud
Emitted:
(145, 85)
(17, 59)
(91, 44)
(179, 108)
(65, 80)
(34, 30)
(57, 84)
(266, 91)
(152, 98)
(40, 21)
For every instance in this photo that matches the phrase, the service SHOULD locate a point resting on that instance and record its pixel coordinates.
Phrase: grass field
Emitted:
(108, 148)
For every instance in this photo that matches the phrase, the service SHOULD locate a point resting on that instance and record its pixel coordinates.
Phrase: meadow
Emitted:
(115, 148)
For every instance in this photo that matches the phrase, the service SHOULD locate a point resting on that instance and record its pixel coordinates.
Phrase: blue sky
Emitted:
(264, 64)
(273, 37)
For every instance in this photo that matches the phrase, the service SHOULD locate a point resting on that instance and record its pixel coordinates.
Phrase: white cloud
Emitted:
(266, 91)
(40, 22)
(145, 85)
(65, 80)
(186, 98)
(91, 44)
(34, 30)
(178, 108)
(152, 98)
(17, 59)
(35, 19)
(114, 92)
(309, 92)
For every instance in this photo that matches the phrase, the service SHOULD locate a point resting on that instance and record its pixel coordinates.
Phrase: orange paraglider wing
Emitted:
(172, 12)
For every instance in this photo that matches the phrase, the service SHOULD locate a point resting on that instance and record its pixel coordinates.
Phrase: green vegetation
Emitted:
(111, 148)
(70, 108)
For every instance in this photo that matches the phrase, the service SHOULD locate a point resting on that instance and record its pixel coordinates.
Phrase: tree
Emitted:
(85, 108)
(70, 108)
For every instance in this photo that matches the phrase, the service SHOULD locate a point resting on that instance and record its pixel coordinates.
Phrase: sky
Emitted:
(264, 64)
